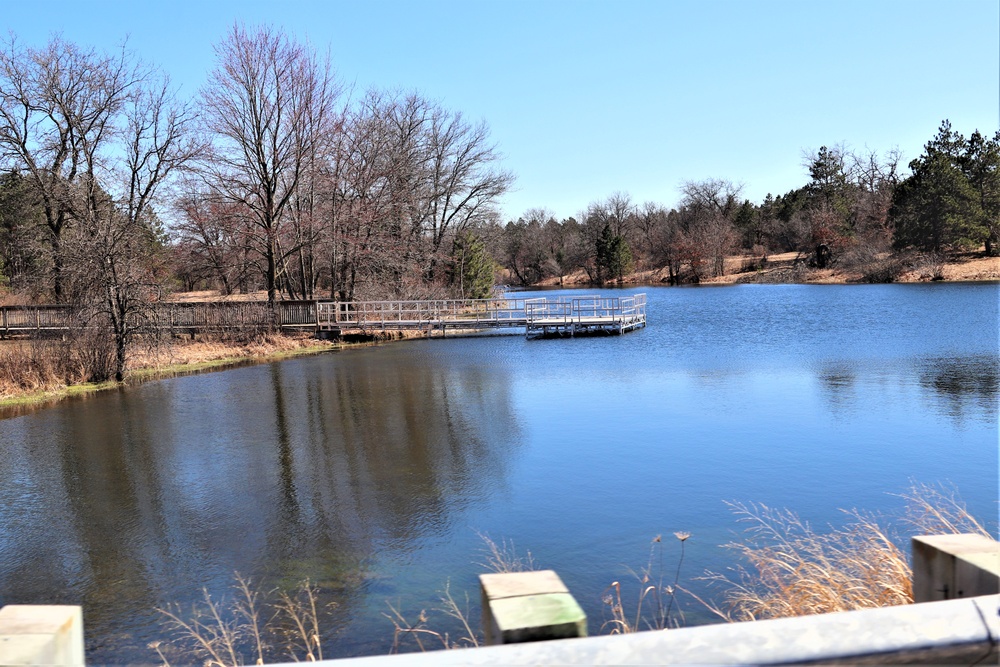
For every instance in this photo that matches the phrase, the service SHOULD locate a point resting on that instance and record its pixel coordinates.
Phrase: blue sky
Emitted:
(588, 98)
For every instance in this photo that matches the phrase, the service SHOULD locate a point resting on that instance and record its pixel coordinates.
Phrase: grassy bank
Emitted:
(32, 376)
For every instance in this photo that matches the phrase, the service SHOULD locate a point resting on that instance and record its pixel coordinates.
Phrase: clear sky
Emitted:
(588, 98)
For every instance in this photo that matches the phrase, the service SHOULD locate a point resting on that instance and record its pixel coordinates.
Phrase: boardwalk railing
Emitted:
(33, 318)
(180, 317)
(537, 316)
(419, 314)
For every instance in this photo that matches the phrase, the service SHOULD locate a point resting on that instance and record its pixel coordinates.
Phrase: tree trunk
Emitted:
(992, 250)
(272, 274)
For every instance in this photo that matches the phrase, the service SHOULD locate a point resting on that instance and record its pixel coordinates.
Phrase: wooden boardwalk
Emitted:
(536, 317)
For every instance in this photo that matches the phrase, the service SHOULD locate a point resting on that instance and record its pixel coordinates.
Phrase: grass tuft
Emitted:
(503, 558)
(793, 570)
(251, 627)
(418, 631)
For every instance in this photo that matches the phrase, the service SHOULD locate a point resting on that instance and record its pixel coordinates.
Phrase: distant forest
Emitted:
(857, 210)
(115, 192)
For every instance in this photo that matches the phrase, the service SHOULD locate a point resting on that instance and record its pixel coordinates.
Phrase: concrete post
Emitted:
(946, 567)
(529, 606)
(41, 635)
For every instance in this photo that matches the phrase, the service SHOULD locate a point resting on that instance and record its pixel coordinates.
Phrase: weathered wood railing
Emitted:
(181, 317)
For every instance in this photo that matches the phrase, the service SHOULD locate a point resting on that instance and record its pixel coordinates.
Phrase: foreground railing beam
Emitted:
(953, 632)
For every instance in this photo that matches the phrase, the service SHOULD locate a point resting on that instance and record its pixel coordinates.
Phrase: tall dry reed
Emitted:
(28, 366)
(793, 570)
(655, 602)
(250, 627)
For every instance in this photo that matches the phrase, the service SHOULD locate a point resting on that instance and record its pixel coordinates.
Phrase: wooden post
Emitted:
(946, 567)
(529, 606)
(41, 635)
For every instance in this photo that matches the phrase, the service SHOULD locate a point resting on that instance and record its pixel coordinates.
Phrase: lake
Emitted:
(374, 471)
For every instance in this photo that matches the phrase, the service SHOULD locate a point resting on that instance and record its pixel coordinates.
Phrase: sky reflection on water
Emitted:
(372, 471)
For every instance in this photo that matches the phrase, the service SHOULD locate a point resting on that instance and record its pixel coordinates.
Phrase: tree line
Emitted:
(276, 176)
(856, 209)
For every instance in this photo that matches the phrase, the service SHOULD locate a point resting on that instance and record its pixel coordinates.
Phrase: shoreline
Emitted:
(223, 356)
(278, 347)
(783, 269)
(231, 356)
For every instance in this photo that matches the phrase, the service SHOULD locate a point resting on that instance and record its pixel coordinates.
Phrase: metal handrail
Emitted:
(218, 315)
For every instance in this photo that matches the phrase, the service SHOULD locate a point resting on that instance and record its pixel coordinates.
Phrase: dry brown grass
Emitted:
(207, 349)
(417, 632)
(251, 627)
(503, 557)
(937, 509)
(43, 367)
(794, 570)
(29, 366)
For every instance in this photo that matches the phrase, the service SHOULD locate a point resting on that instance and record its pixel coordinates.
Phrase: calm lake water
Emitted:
(373, 471)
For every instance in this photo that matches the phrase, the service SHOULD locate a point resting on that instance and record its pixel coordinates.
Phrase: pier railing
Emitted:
(385, 314)
(581, 308)
(544, 314)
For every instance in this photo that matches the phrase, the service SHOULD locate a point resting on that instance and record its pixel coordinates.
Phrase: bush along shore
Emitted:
(35, 373)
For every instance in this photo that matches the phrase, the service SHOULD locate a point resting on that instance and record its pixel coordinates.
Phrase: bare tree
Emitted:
(215, 236)
(651, 220)
(607, 231)
(98, 135)
(371, 194)
(117, 231)
(465, 182)
(58, 109)
(268, 107)
(409, 177)
(875, 178)
(710, 206)
(616, 212)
